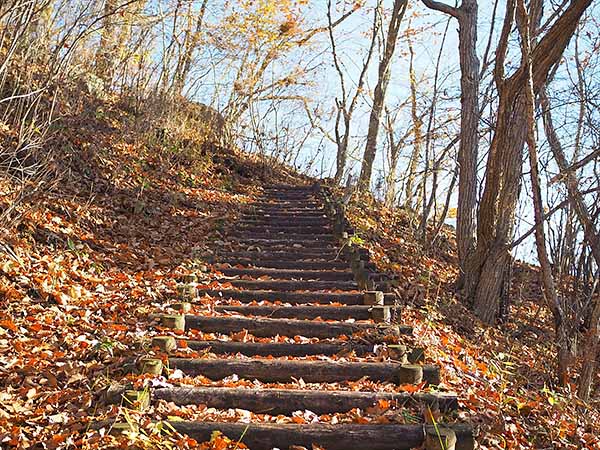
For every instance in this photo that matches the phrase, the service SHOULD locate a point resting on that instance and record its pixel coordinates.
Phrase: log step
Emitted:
(283, 236)
(262, 436)
(277, 349)
(320, 240)
(302, 197)
(284, 212)
(291, 285)
(262, 327)
(293, 297)
(302, 312)
(294, 254)
(287, 205)
(314, 187)
(323, 275)
(267, 436)
(276, 229)
(264, 216)
(282, 264)
(285, 223)
(286, 401)
(284, 243)
(284, 371)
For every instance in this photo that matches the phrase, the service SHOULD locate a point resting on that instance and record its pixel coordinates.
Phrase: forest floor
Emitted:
(97, 255)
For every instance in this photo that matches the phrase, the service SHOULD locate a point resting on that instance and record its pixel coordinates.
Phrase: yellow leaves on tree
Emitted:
(265, 21)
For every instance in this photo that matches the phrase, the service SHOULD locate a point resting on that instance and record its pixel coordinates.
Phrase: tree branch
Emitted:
(442, 7)
(311, 33)
(575, 166)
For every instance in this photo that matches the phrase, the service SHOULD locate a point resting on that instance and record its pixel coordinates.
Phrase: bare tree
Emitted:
(466, 15)
(486, 268)
(398, 11)
(549, 287)
(417, 121)
(190, 44)
(347, 103)
(105, 51)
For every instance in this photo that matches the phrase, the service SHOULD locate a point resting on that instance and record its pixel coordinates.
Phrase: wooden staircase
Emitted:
(288, 275)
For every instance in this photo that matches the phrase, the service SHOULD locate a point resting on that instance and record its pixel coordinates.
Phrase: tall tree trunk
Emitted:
(485, 273)
(469, 132)
(345, 110)
(395, 148)
(570, 181)
(417, 138)
(379, 95)
(592, 348)
(467, 16)
(592, 237)
(184, 65)
(549, 288)
(104, 54)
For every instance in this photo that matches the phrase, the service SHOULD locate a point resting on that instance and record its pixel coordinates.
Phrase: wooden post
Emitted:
(381, 314)
(357, 266)
(182, 307)
(410, 374)
(139, 400)
(364, 281)
(373, 298)
(438, 438)
(165, 343)
(398, 352)
(174, 321)
(186, 291)
(417, 355)
(152, 366)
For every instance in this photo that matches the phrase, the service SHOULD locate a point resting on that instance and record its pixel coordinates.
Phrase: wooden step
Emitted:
(288, 401)
(288, 274)
(313, 187)
(282, 264)
(283, 212)
(277, 349)
(293, 297)
(285, 205)
(270, 229)
(284, 236)
(360, 312)
(284, 222)
(285, 371)
(262, 327)
(305, 214)
(267, 436)
(326, 244)
(289, 197)
(292, 285)
(293, 254)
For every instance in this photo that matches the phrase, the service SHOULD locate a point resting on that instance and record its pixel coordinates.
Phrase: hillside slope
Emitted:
(95, 256)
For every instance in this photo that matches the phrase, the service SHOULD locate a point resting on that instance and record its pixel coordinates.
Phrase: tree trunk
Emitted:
(469, 134)
(592, 348)
(390, 193)
(184, 65)
(591, 236)
(486, 269)
(417, 122)
(380, 92)
(346, 110)
(547, 279)
(467, 16)
(106, 46)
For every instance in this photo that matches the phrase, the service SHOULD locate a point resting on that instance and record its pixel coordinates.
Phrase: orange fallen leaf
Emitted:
(8, 324)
